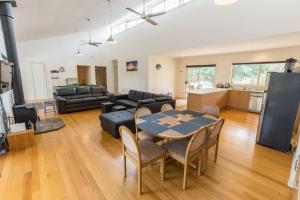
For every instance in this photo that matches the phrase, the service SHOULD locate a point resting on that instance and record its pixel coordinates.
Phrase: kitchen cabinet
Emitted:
(197, 99)
(238, 99)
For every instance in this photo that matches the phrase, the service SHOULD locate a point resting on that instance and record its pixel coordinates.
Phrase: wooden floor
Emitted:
(82, 162)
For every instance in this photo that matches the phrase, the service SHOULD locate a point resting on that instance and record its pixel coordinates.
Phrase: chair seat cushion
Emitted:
(127, 103)
(142, 135)
(176, 148)
(150, 151)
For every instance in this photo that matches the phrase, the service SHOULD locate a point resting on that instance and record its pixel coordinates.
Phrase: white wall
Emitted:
(60, 52)
(163, 80)
(224, 63)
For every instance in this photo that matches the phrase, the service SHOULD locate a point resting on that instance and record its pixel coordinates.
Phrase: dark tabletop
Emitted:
(174, 124)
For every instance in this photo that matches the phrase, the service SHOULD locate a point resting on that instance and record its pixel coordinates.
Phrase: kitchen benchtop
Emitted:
(213, 90)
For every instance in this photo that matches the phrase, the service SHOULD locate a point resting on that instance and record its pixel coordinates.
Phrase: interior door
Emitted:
(116, 81)
(100, 73)
(34, 81)
(82, 73)
(39, 80)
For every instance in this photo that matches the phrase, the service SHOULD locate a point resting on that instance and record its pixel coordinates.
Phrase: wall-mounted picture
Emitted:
(132, 66)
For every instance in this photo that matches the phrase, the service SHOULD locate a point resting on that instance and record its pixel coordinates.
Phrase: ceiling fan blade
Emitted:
(130, 9)
(156, 14)
(97, 43)
(151, 21)
(133, 19)
(85, 43)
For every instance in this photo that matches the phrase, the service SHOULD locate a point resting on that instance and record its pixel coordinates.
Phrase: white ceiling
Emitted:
(199, 28)
(272, 42)
(36, 19)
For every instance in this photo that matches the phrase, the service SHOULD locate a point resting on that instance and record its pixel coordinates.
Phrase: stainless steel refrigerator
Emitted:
(280, 108)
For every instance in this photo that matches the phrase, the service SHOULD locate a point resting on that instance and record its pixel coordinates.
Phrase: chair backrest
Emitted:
(196, 142)
(129, 142)
(166, 107)
(215, 130)
(141, 112)
(211, 110)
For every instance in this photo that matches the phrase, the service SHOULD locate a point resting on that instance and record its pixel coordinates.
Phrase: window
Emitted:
(254, 73)
(199, 77)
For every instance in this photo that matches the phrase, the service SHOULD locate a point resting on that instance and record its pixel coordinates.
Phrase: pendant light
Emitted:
(78, 52)
(110, 40)
(224, 2)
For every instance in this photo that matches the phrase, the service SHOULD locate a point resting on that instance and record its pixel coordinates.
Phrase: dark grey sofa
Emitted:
(110, 122)
(72, 99)
(137, 99)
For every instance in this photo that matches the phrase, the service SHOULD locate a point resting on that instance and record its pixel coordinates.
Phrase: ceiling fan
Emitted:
(146, 17)
(90, 42)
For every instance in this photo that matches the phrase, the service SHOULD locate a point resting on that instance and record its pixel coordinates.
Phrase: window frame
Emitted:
(259, 72)
(202, 66)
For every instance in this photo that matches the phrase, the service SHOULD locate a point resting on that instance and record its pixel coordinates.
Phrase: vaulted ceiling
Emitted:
(199, 26)
(35, 19)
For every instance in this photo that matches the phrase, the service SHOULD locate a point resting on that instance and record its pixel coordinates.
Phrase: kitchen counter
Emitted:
(207, 91)
(212, 90)
(222, 97)
(198, 98)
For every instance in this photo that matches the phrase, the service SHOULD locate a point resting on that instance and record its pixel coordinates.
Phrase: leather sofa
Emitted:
(110, 122)
(72, 99)
(137, 99)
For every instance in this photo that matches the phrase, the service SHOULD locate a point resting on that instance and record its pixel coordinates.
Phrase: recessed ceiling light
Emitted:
(225, 2)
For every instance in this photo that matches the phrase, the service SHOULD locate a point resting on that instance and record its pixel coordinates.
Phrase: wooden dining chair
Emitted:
(213, 139)
(186, 151)
(166, 107)
(142, 153)
(142, 135)
(213, 110)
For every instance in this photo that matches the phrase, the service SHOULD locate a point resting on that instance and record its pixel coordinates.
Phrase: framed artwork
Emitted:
(132, 66)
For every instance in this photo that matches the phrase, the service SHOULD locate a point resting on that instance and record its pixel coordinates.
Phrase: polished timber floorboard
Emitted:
(82, 162)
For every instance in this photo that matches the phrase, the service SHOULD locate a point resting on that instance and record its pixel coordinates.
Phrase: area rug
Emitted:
(48, 125)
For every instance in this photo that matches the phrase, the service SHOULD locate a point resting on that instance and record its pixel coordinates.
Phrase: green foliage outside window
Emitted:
(201, 77)
(254, 74)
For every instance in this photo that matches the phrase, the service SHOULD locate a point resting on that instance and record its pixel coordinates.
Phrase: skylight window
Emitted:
(151, 6)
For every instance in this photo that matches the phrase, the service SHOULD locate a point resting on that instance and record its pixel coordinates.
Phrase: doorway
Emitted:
(83, 74)
(100, 74)
(34, 80)
(116, 82)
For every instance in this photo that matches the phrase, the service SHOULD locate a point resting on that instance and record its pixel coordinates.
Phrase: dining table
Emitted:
(174, 124)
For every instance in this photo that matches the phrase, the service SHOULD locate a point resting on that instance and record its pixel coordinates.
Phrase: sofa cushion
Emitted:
(73, 101)
(139, 95)
(98, 90)
(146, 101)
(165, 98)
(102, 98)
(126, 102)
(131, 95)
(83, 90)
(89, 99)
(65, 91)
(71, 97)
(80, 96)
(148, 95)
